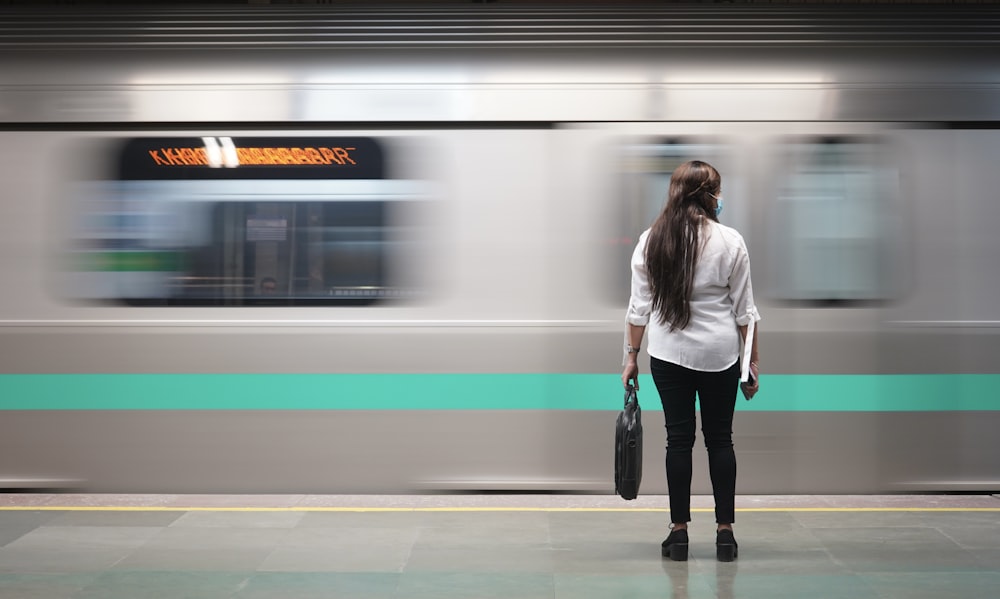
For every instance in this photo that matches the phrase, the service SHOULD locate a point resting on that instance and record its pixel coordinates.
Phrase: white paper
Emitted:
(747, 348)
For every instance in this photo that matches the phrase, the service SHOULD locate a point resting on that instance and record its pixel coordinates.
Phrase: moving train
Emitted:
(313, 249)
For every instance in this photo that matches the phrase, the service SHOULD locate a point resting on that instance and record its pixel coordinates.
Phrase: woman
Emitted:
(691, 287)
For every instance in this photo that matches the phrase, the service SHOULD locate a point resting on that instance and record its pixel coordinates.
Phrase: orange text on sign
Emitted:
(320, 156)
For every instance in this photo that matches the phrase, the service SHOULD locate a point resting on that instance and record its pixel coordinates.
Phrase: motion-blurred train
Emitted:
(312, 249)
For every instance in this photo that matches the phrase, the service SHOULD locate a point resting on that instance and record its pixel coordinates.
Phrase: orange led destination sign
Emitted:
(169, 158)
(181, 156)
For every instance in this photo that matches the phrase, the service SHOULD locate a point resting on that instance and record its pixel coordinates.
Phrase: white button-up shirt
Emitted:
(722, 298)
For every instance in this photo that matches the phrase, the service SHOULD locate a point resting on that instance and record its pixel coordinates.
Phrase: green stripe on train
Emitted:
(780, 392)
(131, 261)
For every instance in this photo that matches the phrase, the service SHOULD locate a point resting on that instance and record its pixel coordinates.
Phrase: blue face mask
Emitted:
(718, 205)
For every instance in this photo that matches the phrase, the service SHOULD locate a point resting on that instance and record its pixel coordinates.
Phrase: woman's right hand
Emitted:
(750, 390)
(631, 373)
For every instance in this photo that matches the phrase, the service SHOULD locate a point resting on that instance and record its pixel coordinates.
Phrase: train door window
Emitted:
(645, 168)
(251, 221)
(835, 227)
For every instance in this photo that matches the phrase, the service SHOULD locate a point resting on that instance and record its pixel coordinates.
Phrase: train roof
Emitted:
(474, 63)
(507, 26)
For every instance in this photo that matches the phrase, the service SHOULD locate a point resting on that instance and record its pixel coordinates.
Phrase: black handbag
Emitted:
(628, 447)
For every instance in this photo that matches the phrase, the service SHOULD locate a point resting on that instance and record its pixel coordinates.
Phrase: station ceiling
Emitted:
(467, 3)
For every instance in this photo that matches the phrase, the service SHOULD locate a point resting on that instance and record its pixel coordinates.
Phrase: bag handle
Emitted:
(630, 394)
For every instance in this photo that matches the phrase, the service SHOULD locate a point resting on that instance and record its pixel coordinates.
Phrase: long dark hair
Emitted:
(675, 240)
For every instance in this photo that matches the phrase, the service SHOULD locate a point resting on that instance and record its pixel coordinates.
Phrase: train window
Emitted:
(250, 221)
(645, 169)
(835, 223)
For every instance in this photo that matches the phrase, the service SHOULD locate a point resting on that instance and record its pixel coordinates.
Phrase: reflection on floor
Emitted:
(483, 546)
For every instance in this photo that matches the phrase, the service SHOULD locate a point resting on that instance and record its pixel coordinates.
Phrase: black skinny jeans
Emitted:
(716, 392)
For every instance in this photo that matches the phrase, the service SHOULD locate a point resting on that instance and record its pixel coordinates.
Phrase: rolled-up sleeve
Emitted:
(741, 288)
(640, 302)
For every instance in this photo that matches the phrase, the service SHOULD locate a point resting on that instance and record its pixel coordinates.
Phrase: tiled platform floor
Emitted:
(484, 546)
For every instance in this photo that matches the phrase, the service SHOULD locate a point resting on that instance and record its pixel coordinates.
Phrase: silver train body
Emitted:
(859, 156)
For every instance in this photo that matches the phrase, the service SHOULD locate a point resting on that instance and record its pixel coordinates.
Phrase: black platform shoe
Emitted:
(726, 549)
(676, 545)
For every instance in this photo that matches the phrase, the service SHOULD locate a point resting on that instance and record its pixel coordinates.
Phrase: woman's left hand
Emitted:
(631, 373)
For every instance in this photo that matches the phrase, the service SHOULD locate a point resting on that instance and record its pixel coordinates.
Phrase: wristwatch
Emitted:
(631, 350)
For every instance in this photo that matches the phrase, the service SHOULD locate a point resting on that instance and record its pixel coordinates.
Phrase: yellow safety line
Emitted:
(132, 508)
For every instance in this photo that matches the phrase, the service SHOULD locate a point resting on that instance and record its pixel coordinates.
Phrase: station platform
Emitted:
(472, 546)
